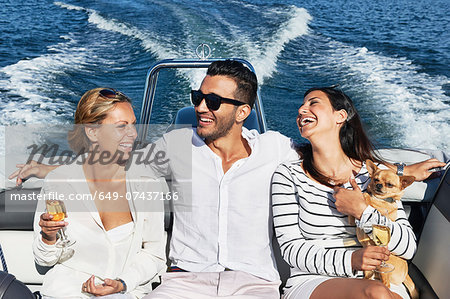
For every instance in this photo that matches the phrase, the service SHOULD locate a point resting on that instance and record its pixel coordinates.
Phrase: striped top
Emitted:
(317, 240)
(3, 260)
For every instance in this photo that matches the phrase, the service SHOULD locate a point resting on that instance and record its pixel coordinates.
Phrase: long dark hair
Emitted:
(354, 141)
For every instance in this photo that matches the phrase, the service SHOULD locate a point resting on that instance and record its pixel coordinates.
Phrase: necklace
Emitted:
(333, 183)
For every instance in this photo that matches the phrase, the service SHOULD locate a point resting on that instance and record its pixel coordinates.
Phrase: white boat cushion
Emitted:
(418, 191)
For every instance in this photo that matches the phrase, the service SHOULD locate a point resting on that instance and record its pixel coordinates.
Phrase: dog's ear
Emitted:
(407, 180)
(371, 167)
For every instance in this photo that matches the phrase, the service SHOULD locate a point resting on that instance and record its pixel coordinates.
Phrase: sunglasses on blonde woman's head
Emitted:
(212, 100)
(112, 94)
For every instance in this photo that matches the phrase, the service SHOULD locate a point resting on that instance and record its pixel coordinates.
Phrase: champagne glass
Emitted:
(381, 235)
(58, 210)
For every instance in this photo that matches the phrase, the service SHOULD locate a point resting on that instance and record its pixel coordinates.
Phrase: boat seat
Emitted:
(430, 267)
(418, 197)
(186, 116)
(17, 215)
(428, 270)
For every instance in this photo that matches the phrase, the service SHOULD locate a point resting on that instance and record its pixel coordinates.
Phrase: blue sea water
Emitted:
(391, 57)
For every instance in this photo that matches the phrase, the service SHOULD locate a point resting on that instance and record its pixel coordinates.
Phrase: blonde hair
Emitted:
(92, 108)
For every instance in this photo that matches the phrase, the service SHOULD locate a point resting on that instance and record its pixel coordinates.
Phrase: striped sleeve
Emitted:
(403, 240)
(298, 251)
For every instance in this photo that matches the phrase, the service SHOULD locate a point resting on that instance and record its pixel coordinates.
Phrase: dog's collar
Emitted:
(387, 199)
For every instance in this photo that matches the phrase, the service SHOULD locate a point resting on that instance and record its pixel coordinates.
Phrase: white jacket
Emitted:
(94, 252)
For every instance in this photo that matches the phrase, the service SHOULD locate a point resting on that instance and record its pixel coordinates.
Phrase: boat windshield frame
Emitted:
(152, 80)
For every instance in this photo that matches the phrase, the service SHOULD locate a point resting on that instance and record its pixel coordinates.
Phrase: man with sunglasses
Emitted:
(221, 246)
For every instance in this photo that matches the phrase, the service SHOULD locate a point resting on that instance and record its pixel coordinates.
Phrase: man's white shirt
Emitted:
(222, 220)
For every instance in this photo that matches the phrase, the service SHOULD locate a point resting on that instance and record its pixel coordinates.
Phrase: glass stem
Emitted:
(63, 234)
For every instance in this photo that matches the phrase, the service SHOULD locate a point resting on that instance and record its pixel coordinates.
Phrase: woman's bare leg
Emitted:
(348, 288)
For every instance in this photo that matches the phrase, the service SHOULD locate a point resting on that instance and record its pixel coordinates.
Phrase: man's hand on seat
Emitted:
(30, 169)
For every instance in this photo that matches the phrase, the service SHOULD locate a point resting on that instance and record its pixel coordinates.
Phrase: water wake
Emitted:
(265, 59)
(261, 53)
(28, 83)
(407, 104)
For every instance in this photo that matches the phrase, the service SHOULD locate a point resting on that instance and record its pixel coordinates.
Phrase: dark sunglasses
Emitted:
(112, 94)
(212, 100)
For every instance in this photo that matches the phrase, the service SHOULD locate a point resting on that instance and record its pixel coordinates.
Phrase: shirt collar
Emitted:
(250, 136)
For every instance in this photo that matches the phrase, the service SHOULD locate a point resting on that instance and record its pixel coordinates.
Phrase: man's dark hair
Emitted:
(247, 84)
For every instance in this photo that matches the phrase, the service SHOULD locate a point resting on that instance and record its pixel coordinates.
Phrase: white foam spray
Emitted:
(263, 54)
(296, 26)
(25, 80)
(411, 102)
(25, 86)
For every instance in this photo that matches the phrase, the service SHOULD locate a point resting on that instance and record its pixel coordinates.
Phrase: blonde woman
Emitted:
(119, 244)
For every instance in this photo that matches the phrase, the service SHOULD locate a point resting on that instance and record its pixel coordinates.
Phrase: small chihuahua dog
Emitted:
(383, 192)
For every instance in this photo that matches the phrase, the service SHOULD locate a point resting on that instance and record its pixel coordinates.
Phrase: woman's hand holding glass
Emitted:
(50, 228)
(369, 258)
(57, 209)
